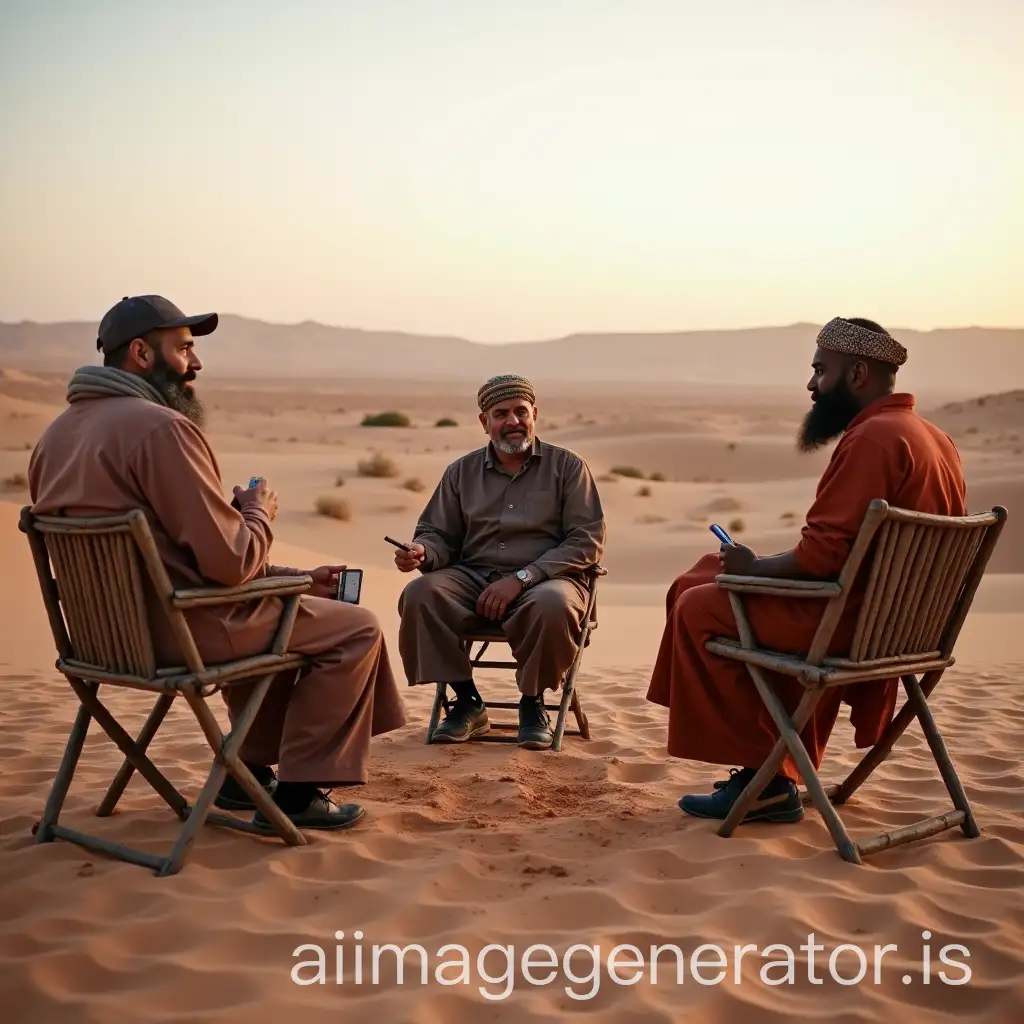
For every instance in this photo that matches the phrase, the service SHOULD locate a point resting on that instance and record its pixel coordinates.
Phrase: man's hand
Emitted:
(260, 495)
(495, 599)
(325, 580)
(737, 560)
(411, 559)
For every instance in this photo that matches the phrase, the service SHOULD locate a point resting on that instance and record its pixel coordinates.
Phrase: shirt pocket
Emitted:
(543, 508)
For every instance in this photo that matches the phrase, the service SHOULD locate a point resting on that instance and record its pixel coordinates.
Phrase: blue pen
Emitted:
(720, 533)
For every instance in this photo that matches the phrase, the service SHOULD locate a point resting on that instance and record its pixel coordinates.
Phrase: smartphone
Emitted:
(720, 533)
(350, 583)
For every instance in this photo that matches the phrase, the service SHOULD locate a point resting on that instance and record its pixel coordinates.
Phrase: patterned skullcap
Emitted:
(508, 385)
(840, 335)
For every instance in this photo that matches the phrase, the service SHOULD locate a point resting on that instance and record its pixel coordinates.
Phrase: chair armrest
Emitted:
(596, 570)
(269, 586)
(778, 587)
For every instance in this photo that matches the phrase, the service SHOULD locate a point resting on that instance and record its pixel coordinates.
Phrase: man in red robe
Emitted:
(886, 450)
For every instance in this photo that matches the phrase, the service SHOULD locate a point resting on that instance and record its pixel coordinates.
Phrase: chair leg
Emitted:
(954, 787)
(790, 735)
(440, 693)
(880, 751)
(124, 775)
(109, 724)
(225, 749)
(66, 772)
(767, 770)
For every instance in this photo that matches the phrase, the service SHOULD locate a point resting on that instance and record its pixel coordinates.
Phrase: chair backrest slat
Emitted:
(918, 573)
(100, 584)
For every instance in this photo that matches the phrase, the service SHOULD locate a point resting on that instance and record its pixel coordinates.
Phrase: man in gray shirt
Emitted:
(507, 536)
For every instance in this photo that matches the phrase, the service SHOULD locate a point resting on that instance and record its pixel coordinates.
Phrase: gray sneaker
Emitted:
(465, 719)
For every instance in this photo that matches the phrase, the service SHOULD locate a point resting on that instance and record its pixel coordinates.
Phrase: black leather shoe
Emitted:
(233, 798)
(464, 720)
(322, 814)
(534, 724)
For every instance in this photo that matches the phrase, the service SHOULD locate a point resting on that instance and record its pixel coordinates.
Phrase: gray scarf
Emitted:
(89, 382)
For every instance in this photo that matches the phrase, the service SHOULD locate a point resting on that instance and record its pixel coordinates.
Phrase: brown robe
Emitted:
(715, 712)
(108, 455)
(482, 524)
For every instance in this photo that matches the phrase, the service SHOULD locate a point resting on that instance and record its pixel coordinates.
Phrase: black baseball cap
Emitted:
(137, 315)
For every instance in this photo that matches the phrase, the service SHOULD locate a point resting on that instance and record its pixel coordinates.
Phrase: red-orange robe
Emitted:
(715, 712)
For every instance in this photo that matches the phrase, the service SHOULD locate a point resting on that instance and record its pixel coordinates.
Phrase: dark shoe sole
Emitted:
(780, 817)
(536, 744)
(336, 826)
(447, 737)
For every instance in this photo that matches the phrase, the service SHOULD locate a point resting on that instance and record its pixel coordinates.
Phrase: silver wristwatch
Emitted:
(524, 577)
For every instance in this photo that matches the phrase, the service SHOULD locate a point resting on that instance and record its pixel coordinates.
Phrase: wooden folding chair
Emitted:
(924, 573)
(485, 636)
(97, 609)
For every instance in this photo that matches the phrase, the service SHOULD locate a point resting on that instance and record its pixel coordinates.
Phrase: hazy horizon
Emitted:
(500, 173)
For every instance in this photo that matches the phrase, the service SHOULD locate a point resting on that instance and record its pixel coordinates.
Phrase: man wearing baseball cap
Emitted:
(132, 438)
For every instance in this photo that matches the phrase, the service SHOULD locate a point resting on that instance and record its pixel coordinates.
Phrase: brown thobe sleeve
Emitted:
(860, 471)
(583, 524)
(441, 526)
(177, 471)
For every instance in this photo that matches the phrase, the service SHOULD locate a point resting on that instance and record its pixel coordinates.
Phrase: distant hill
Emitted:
(961, 361)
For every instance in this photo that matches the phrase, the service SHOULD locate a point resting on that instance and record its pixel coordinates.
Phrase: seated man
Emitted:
(506, 537)
(886, 451)
(132, 437)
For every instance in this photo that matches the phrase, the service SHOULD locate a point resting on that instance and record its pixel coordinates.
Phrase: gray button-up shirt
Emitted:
(547, 518)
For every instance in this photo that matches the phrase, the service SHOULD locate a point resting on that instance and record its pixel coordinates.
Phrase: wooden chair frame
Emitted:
(923, 578)
(570, 695)
(90, 573)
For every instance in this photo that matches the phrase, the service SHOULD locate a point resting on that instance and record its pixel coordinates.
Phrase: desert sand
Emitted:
(486, 844)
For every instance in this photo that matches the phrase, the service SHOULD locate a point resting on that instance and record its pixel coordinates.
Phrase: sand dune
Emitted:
(490, 844)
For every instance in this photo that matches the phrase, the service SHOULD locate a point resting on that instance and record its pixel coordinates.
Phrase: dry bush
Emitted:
(339, 481)
(15, 482)
(650, 520)
(725, 504)
(333, 507)
(378, 465)
(293, 440)
(386, 419)
(737, 526)
(414, 483)
(731, 446)
(657, 476)
(446, 421)
(643, 492)
(788, 515)
(630, 471)
(608, 478)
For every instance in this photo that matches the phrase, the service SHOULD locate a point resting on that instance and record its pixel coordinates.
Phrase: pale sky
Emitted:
(516, 169)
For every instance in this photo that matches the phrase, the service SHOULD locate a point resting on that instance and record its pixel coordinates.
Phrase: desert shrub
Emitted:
(414, 483)
(339, 481)
(608, 478)
(643, 492)
(630, 471)
(333, 507)
(386, 419)
(731, 446)
(657, 476)
(15, 482)
(378, 465)
(446, 421)
(737, 526)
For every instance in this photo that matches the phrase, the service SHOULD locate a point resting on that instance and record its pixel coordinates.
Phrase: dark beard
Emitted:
(177, 392)
(829, 416)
